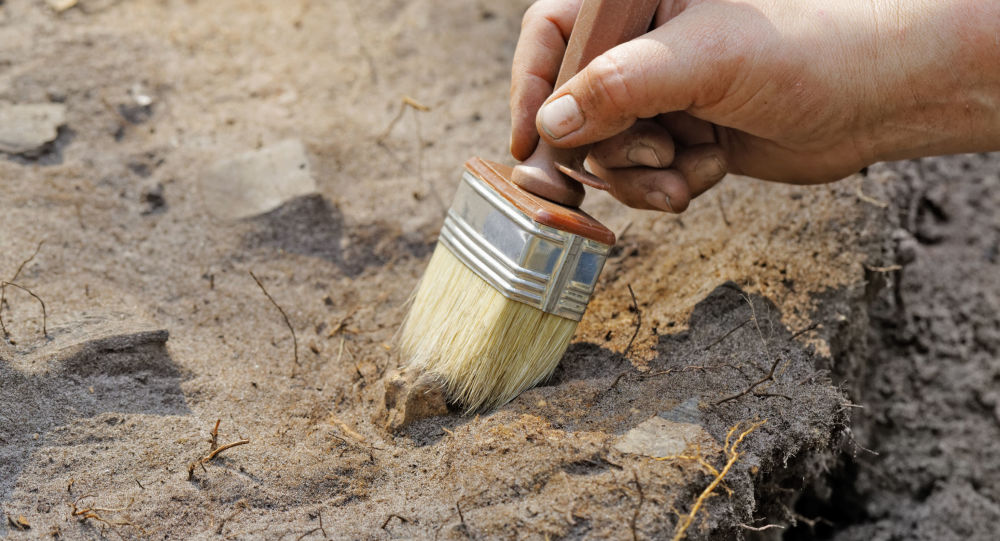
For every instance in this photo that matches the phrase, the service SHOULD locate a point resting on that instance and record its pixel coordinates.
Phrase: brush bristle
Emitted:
(487, 348)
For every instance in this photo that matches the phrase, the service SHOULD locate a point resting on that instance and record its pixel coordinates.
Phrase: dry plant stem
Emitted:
(310, 532)
(214, 450)
(761, 528)
(638, 507)
(214, 441)
(410, 103)
(45, 316)
(730, 450)
(723, 337)
(638, 322)
(94, 513)
(797, 334)
(288, 323)
(222, 448)
(3, 287)
(867, 198)
(754, 385)
(390, 517)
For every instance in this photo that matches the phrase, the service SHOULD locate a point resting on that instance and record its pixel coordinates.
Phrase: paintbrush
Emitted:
(517, 260)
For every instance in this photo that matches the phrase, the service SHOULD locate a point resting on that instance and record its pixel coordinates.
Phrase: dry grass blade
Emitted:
(45, 314)
(638, 321)
(288, 323)
(3, 290)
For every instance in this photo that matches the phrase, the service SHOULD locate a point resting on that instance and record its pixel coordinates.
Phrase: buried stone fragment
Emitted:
(27, 128)
(657, 437)
(258, 181)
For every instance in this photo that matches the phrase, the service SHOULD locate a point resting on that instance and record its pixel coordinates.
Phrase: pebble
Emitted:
(26, 128)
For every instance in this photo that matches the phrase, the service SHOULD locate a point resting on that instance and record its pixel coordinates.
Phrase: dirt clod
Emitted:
(409, 397)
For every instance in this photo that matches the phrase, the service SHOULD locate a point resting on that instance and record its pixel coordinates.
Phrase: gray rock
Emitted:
(658, 437)
(259, 181)
(26, 128)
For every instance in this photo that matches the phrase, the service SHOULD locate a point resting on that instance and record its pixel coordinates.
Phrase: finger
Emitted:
(647, 144)
(663, 71)
(647, 188)
(545, 30)
(702, 166)
(687, 130)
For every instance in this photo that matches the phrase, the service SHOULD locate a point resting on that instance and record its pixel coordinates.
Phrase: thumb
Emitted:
(650, 75)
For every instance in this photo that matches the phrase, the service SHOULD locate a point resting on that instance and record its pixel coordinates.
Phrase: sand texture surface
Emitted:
(163, 395)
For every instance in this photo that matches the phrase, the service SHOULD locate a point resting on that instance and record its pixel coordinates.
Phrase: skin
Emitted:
(805, 91)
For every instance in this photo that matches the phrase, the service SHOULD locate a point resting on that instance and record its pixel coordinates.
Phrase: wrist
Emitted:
(939, 79)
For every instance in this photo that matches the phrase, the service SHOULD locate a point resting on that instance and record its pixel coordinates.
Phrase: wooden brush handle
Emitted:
(601, 25)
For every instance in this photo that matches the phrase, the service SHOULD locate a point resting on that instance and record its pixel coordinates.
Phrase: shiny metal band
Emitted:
(538, 265)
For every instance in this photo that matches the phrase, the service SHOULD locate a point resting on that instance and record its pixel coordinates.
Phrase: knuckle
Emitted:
(537, 11)
(609, 89)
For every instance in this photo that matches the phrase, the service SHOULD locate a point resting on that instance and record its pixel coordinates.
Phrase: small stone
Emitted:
(26, 128)
(60, 6)
(657, 437)
(259, 181)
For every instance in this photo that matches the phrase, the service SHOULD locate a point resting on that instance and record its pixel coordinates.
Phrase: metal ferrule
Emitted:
(528, 262)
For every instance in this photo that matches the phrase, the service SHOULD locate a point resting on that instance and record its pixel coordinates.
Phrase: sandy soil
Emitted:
(108, 412)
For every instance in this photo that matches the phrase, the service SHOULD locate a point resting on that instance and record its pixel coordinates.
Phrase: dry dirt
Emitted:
(156, 329)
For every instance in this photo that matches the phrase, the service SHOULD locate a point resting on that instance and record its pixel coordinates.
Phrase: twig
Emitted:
(887, 268)
(408, 102)
(799, 333)
(26, 261)
(240, 506)
(638, 322)
(312, 531)
(390, 517)
(3, 288)
(222, 448)
(722, 209)
(723, 337)
(761, 528)
(867, 198)
(600, 394)
(754, 385)
(404, 103)
(214, 440)
(295, 340)
(94, 513)
(214, 450)
(45, 316)
(642, 498)
(774, 395)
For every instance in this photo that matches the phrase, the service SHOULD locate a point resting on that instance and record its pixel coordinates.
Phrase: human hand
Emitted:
(803, 92)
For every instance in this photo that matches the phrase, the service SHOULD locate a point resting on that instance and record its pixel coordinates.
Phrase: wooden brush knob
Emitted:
(600, 25)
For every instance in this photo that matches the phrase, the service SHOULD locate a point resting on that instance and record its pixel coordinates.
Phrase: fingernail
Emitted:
(659, 200)
(561, 117)
(710, 168)
(644, 155)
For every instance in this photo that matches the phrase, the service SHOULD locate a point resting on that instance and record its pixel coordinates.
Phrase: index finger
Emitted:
(545, 31)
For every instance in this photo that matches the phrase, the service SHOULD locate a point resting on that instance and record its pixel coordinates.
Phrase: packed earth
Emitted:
(212, 214)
